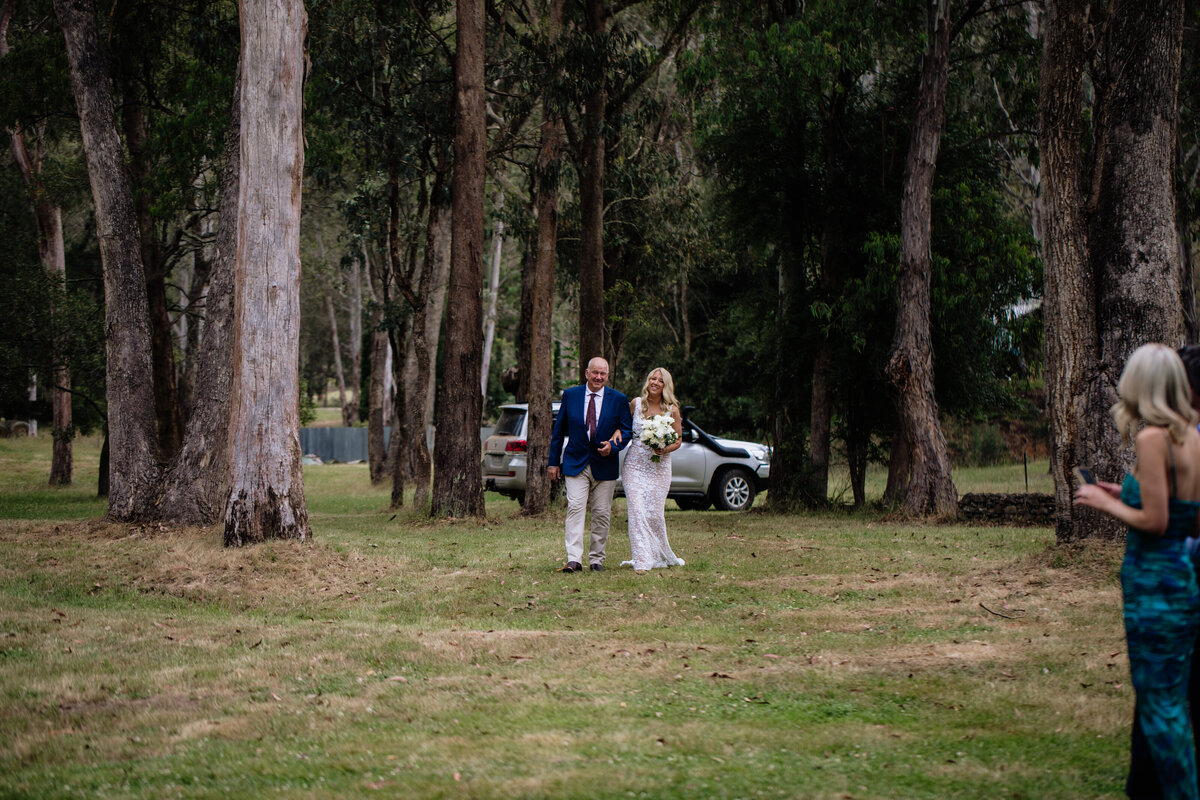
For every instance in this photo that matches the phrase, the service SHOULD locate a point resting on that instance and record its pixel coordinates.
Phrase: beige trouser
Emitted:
(586, 494)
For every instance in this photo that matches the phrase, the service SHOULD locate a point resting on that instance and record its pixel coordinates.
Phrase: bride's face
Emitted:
(655, 384)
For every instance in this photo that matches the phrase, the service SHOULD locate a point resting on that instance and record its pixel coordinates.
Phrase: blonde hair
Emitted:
(668, 393)
(1154, 389)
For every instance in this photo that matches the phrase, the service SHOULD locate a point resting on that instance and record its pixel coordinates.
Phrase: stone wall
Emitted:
(1007, 509)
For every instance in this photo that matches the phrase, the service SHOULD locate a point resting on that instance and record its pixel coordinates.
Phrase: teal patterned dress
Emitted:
(1162, 615)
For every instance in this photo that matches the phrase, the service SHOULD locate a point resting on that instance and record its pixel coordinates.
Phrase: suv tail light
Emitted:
(516, 446)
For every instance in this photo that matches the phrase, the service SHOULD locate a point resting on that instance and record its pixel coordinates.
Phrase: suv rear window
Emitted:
(510, 422)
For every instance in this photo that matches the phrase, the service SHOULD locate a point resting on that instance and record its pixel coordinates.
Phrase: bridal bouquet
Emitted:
(659, 432)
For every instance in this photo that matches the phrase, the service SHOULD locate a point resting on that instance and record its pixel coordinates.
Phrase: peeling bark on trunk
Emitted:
(266, 499)
(132, 466)
(457, 488)
(929, 490)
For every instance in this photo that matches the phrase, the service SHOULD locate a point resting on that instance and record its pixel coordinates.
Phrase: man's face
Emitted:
(597, 374)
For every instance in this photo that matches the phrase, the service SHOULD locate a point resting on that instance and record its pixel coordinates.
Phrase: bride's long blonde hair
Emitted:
(669, 402)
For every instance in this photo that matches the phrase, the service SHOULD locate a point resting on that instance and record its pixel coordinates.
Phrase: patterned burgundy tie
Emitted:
(590, 420)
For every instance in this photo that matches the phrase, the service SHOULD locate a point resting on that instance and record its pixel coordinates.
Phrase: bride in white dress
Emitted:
(647, 480)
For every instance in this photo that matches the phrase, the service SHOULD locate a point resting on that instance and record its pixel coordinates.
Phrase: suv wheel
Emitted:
(734, 491)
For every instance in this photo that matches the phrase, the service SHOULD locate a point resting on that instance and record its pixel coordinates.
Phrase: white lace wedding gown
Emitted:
(646, 484)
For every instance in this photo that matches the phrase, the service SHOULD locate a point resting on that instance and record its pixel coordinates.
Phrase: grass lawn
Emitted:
(819, 656)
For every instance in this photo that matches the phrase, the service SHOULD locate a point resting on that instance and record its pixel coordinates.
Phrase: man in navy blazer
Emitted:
(590, 416)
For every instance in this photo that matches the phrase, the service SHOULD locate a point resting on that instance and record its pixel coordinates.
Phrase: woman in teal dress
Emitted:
(1158, 502)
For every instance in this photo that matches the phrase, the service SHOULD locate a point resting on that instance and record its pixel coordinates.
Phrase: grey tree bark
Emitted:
(132, 437)
(929, 490)
(457, 488)
(1111, 257)
(1072, 352)
(1134, 244)
(266, 499)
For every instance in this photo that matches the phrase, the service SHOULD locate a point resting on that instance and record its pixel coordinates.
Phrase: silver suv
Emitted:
(706, 470)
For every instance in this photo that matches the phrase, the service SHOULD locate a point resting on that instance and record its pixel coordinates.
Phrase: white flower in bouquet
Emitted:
(659, 432)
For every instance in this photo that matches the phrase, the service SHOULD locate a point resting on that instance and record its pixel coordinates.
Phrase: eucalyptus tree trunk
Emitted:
(350, 409)
(337, 345)
(331, 310)
(133, 466)
(377, 386)
(929, 490)
(398, 281)
(489, 324)
(540, 366)
(52, 254)
(266, 500)
(426, 322)
(1134, 245)
(1112, 275)
(1187, 154)
(195, 486)
(593, 319)
(167, 408)
(192, 319)
(457, 485)
(1071, 342)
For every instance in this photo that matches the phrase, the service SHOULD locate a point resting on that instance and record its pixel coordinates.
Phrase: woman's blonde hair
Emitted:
(668, 392)
(1154, 389)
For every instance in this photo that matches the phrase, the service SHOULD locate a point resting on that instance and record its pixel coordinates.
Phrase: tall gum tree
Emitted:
(457, 489)
(1111, 250)
(266, 499)
(539, 285)
(132, 439)
(929, 490)
(1134, 240)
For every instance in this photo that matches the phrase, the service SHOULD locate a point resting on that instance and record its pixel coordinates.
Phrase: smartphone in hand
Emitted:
(1084, 475)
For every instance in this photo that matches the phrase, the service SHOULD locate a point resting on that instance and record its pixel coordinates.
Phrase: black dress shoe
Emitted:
(597, 568)
(572, 566)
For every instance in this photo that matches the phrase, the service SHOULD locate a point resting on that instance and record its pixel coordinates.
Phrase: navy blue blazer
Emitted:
(580, 452)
